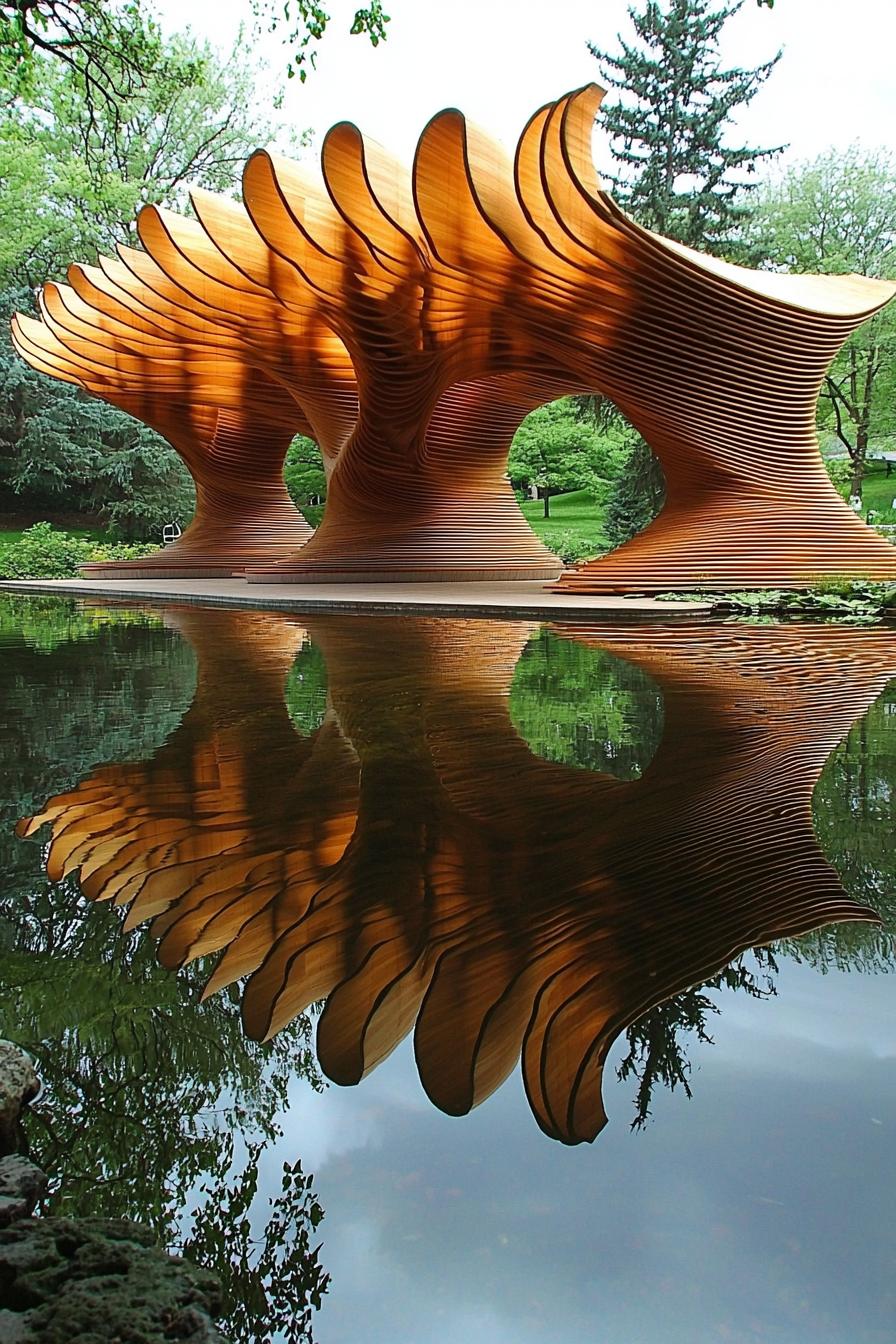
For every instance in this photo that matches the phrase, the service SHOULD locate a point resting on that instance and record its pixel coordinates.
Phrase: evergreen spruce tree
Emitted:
(674, 172)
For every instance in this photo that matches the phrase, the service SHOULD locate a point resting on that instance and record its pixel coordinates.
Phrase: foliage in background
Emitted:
(303, 472)
(639, 495)
(307, 21)
(836, 215)
(574, 528)
(572, 548)
(111, 47)
(558, 447)
(76, 174)
(43, 552)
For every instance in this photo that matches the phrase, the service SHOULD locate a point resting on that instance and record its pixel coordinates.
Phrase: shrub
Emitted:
(573, 548)
(42, 552)
(312, 513)
(855, 601)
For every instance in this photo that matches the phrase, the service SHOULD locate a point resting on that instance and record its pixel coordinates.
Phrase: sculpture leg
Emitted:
(789, 539)
(244, 515)
(438, 508)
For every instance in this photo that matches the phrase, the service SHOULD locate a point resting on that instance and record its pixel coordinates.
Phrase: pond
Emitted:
(463, 980)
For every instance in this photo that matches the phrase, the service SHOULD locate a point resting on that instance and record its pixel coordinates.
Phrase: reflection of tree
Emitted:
(582, 706)
(149, 1093)
(854, 814)
(273, 1287)
(656, 1053)
(416, 864)
(72, 705)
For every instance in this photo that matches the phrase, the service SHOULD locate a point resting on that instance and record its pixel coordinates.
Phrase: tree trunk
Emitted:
(864, 421)
(858, 461)
(546, 496)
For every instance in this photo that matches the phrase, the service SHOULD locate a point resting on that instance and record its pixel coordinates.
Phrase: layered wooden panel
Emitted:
(230, 424)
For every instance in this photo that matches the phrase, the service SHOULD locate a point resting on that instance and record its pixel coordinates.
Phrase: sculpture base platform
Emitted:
(113, 572)
(523, 601)
(170, 567)
(274, 574)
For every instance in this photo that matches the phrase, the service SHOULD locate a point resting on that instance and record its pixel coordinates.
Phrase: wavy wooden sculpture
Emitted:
(409, 322)
(182, 340)
(413, 863)
(525, 280)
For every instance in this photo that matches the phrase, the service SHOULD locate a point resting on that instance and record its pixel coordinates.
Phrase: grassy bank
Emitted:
(575, 528)
(44, 552)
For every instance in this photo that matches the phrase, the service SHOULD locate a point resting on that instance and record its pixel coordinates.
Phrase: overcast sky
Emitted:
(500, 59)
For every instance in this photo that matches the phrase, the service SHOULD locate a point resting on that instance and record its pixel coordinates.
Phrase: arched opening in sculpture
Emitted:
(597, 480)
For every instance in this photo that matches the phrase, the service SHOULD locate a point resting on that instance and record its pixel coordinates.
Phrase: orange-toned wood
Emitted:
(415, 319)
(414, 863)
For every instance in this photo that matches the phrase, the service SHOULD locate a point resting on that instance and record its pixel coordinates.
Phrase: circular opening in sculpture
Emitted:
(584, 478)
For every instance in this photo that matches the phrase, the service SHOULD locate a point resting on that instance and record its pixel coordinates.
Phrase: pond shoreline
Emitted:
(528, 599)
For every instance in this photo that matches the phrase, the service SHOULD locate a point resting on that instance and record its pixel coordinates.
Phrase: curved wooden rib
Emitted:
(419, 489)
(171, 338)
(231, 437)
(415, 319)
(720, 370)
(413, 863)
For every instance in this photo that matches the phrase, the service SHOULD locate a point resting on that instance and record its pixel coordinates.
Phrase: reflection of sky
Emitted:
(759, 1211)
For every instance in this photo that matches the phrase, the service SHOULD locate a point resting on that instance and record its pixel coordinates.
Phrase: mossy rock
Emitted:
(100, 1281)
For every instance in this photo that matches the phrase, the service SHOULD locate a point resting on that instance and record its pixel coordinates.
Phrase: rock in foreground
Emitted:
(97, 1280)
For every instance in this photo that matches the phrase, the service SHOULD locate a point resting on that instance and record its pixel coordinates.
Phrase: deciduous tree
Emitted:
(557, 448)
(837, 214)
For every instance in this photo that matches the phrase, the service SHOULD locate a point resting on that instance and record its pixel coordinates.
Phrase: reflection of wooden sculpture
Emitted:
(413, 863)
(194, 836)
(466, 293)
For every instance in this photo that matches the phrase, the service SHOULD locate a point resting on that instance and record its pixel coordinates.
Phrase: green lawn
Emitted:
(576, 513)
(879, 492)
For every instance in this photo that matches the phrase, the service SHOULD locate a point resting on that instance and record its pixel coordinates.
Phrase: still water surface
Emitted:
(598, 919)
